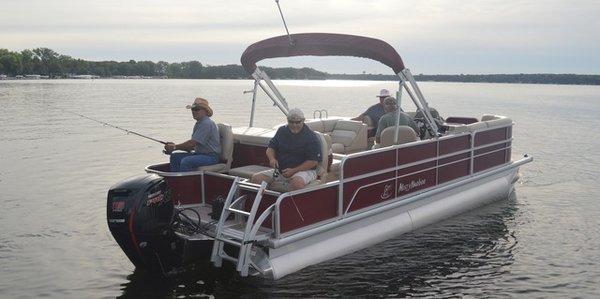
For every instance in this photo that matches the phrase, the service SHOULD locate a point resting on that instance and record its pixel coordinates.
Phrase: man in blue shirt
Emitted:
(205, 141)
(376, 111)
(293, 153)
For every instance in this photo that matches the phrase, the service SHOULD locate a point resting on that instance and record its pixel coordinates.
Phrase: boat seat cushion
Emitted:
(315, 125)
(253, 135)
(220, 167)
(342, 136)
(496, 121)
(247, 171)
(347, 136)
(329, 124)
(325, 145)
(405, 135)
(337, 147)
(280, 186)
(488, 121)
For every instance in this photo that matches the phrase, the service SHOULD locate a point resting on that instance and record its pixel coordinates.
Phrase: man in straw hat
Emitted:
(376, 111)
(293, 153)
(205, 142)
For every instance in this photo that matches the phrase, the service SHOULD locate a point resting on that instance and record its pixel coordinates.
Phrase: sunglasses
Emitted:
(197, 109)
(295, 122)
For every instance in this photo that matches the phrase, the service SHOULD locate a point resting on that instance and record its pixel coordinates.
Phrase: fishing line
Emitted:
(108, 124)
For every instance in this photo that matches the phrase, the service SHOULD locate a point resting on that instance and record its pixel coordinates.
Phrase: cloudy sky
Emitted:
(433, 37)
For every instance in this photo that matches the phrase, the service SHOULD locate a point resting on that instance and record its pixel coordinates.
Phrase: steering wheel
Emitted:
(422, 126)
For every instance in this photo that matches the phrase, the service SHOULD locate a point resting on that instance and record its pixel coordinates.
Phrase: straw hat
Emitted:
(202, 103)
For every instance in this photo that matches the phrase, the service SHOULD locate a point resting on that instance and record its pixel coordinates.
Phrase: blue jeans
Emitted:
(182, 161)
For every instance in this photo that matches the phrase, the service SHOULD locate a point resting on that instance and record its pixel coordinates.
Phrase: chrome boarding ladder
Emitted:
(244, 239)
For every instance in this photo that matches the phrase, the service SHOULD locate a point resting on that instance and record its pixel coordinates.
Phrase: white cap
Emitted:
(384, 93)
(295, 114)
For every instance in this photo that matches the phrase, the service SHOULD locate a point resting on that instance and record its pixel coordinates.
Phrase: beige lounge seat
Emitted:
(405, 135)
(347, 136)
(226, 138)
(488, 121)
(494, 121)
(253, 135)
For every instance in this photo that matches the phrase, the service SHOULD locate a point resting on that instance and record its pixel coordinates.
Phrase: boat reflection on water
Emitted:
(453, 257)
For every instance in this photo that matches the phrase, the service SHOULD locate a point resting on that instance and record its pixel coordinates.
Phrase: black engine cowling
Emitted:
(139, 214)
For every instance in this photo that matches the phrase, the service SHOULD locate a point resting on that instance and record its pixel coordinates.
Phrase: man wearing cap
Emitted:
(389, 118)
(293, 153)
(205, 141)
(376, 111)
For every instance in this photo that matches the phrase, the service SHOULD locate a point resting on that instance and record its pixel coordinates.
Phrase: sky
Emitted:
(431, 36)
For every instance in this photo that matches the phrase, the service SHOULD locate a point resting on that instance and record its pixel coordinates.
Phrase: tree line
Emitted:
(47, 62)
(572, 79)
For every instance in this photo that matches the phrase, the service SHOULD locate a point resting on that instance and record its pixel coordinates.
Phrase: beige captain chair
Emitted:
(405, 135)
(370, 126)
(368, 121)
(325, 146)
(325, 141)
(226, 157)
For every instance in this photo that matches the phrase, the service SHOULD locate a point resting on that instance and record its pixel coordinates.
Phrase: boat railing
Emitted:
(368, 180)
(465, 156)
(470, 158)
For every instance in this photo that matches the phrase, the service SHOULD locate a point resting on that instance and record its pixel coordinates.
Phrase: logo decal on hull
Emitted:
(413, 184)
(387, 192)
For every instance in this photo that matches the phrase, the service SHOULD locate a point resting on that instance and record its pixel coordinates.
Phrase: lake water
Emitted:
(56, 168)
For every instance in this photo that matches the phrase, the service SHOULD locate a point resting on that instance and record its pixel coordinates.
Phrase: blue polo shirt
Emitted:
(293, 149)
(206, 135)
(375, 112)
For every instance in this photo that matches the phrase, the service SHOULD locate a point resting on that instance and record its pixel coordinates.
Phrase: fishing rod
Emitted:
(109, 125)
(284, 24)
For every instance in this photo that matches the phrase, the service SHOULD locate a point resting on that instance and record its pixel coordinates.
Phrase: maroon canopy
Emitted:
(322, 44)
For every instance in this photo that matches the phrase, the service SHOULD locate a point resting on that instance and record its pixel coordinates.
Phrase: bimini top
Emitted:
(321, 44)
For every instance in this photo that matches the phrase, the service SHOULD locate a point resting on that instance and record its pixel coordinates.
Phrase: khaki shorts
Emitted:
(307, 176)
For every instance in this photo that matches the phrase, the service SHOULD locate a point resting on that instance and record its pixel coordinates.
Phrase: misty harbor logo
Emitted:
(387, 192)
(413, 184)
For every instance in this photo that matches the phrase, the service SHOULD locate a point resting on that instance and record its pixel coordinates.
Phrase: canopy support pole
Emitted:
(398, 96)
(419, 100)
(276, 97)
(254, 90)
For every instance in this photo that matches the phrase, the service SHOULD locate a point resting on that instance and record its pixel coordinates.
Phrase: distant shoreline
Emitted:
(44, 63)
(506, 79)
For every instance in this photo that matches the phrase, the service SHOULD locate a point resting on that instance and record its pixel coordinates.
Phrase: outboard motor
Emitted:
(139, 213)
